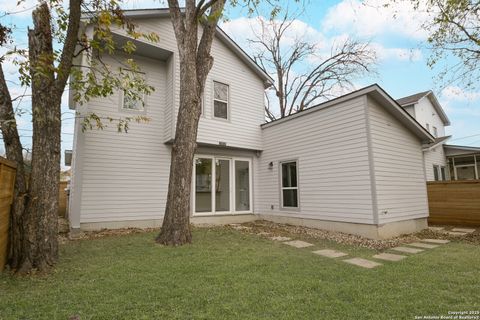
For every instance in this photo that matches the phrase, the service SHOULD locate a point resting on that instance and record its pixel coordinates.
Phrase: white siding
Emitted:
(246, 93)
(435, 156)
(426, 113)
(333, 163)
(125, 175)
(398, 162)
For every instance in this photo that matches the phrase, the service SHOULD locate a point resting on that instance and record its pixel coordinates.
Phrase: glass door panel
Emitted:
(222, 185)
(203, 185)
(242, 185)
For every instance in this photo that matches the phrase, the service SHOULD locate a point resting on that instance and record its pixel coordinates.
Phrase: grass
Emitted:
(226, 274)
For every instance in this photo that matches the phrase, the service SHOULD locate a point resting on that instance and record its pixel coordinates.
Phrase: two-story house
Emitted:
(353, 164)
(442, 161)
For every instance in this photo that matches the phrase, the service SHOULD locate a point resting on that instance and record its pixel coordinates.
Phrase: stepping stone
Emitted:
(330, 253)
(439, 241)
(456, 234)
(423, 245)
(298, 244)
(407, 249)
(279, 238)
(436, 228)
(463, 230)
(263, 233)
(389, 257)
(364, 263)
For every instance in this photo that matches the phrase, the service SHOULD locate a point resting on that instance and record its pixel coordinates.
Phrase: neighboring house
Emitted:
(353, 164)
(442, 161)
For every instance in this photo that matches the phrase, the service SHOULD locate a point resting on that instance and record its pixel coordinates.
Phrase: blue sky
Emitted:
(399, 44)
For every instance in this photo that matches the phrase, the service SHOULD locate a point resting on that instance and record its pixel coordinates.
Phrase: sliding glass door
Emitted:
(222, 185)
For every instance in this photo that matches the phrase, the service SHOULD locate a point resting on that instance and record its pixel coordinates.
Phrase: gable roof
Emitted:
(376, 92)
(220, 34)
(412, 99)
(415, 98)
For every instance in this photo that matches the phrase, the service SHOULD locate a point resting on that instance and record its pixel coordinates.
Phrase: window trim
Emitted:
(224, 101)
(436, 172)
(281, 188)
(132, 111)
(232, 198)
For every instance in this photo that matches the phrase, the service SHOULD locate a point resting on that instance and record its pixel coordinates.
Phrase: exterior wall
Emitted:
(401, 192)
(426, 113)
(123, 175)
(435, 156)
(246, 99)
(333, 165)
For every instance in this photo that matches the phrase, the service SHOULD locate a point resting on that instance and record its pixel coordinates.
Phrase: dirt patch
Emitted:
(269, 229)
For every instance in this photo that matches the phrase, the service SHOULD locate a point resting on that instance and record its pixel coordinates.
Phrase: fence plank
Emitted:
(7, 180)
(454, 202)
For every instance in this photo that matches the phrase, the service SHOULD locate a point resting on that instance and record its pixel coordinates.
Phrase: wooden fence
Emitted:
(7, 179)
(454, 202)
(62, 199)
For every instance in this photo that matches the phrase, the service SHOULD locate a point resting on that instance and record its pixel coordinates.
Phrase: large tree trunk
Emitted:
(40, 250)
(13, 149)
(176, 223)
(195, 64)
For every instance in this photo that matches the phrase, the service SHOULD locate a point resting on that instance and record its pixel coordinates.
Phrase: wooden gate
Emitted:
(7, 180)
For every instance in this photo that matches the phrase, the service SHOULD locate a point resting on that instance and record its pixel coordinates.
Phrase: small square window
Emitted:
(220, 100)
(132, 103)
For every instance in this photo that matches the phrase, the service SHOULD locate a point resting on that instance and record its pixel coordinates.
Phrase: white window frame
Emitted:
(232, 198)
(436, 169)
(280, 168)
(224, 101)
(135, 111)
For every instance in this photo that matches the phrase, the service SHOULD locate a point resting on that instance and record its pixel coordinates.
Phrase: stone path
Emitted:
(411, 248)
(364, 263)
(280, 238)
(389, 257)
(466, 230)
(423, 245)
(407, 250)
(436, 228)
(456, 234)
(439, 241)
(298, 244)
(330, 253)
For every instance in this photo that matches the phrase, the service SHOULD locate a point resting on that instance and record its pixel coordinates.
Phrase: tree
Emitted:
(454, 37)
(296, 88)
(45, 69)
(195, 64)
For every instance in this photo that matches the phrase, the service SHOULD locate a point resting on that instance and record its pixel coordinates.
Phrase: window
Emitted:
(435, 172)
(435, 133)
(289, 184)
(443, 173)
(428, 127)
(220, 100)
(132, 102)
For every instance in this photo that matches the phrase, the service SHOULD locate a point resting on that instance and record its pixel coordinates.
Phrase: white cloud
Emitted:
(399, 54)
(15, 9)
(371, 18)
(454, 93)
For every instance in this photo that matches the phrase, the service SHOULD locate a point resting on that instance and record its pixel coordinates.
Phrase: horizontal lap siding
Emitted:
(246, 101)
(432, 157)
(334, 174)
(125, 175)
(398, 164)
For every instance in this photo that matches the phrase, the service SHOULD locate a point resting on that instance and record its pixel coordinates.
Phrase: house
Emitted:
(353, 164)
(442, 161)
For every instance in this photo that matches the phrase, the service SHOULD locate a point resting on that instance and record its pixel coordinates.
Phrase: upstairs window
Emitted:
(428, 127)
(132, 103)
(435, 132)
(289, 184)
(220, 100)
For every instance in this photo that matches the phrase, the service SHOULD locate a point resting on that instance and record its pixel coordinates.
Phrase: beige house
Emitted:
(354, 164)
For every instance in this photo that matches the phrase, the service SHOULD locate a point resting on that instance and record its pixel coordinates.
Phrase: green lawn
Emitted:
(226, 274)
